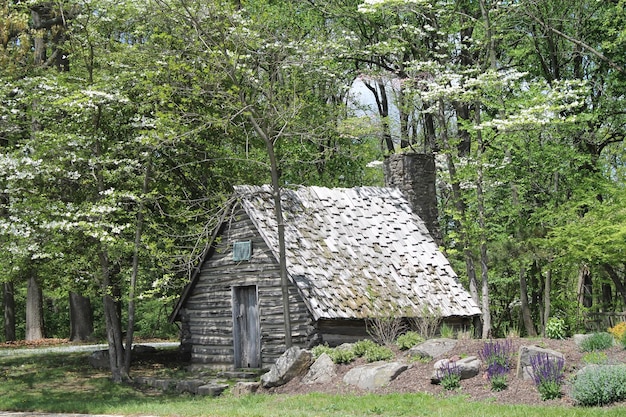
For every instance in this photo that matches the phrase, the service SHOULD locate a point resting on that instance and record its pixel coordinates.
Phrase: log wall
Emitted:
(208, 310)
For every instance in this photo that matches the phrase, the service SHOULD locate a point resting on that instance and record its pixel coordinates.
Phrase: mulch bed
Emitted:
(417, 377)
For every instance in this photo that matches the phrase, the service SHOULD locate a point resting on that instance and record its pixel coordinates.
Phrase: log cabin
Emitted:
(352, 255)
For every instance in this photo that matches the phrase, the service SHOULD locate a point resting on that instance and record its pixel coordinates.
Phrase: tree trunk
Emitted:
(619, 285)
(547, 302)
(525, 305)
(130, 329)
(34, 309)
(81, 318)
(113, 322)
(9, 312)
(278, 212)
(585, 287)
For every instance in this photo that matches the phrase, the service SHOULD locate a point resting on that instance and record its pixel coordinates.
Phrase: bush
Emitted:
(450, 376)
(446, 331)
(408, 340)
(378, 353)
(340, 356)
(548, 375)
(600, 385)
(596, 341)
(556, 328)
(362, 346)
(595, 358)
(619, 330)
(318, 350)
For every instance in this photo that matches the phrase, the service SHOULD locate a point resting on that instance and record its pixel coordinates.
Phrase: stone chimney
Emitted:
(415, 175)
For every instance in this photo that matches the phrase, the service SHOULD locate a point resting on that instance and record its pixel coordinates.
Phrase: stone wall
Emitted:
(415, 175)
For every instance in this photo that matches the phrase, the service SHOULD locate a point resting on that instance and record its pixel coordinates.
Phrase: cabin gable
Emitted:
(233, 314)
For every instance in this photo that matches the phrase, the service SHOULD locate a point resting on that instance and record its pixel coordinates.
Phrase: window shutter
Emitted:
(242, 251)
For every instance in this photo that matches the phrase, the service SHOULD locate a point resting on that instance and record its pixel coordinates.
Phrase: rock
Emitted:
(468, 368)
(322, 371)
(245, 388)
(524, 368)
(374, 375)
(580, 338)
(212, 389)
(293, 362)
(189, 385)
(432, 349)
(143, 349)
(99, 359)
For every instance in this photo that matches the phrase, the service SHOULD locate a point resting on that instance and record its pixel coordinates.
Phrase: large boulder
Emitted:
(99, 359)
(468, 368)
(524, 368)
(374, 375)
(293, 362)
(322, 371)
(432, 348)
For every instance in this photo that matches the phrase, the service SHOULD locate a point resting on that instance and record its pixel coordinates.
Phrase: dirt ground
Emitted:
(417, 377)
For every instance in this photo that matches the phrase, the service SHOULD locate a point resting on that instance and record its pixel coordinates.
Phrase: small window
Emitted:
(242, 251)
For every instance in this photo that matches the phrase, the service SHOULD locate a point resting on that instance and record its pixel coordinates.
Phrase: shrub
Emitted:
(340, 356)
(378, 353)
(497, 356)
(548, 375)
(595, 358)
(619, 330)
(362, 346)
(600, 385)
(318, 350)
(385, 330)
(450, 376)
(596, 341)
(446, 331)
(337, 355)
(408, 340)
(428, 322)
(556, 328)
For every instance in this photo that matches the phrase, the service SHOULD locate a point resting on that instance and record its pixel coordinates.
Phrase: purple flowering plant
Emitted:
(497, 357)
(548, 375)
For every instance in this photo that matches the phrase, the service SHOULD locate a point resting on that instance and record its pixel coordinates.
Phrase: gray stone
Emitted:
(99, 359)
(580, 338)
(189, 385)
(374, 375)
(143, 349)
(212, 389)
(293, 362)
(524, 368)
(468, 368)
(245, 388)
(322, 371)
(432, 348)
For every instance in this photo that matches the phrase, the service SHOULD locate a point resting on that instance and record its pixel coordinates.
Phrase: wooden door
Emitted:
(246, 327)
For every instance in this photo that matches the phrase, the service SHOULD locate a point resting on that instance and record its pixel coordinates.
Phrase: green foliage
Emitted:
(361, 347)
(446, 331)
(342, 356)
(319, 350)
(408, 340)
(378, 353)
(600, 385)
(595, 358)
(596, 341)
(449, 376)
(498, 382)
(556, 328)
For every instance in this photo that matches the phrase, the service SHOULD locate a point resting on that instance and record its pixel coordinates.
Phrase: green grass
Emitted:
(65, 383)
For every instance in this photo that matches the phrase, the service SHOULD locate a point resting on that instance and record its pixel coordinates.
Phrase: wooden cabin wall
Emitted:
(209, 306)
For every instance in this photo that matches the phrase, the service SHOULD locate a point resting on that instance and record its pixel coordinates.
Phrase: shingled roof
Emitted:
(358, 252)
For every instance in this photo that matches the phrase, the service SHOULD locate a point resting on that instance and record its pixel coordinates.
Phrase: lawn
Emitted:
(65, 383)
